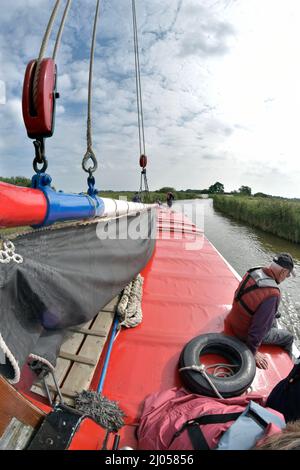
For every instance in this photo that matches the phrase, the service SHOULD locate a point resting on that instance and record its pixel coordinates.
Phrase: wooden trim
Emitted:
(14, 405)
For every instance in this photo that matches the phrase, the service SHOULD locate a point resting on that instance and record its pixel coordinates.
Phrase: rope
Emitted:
(219, 369)
(61, 28)
(8, 253)
(104, 411)
(43, 49)
(129, 308)
(139, 102)
(217, 373)
(89, 151)
(138, 83)
(145, 182)
(46, 40)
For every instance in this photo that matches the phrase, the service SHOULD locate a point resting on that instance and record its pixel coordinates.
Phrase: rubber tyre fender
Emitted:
(234, 350)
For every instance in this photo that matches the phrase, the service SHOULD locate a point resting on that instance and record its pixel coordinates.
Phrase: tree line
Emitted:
(216, 188)
(17, 181)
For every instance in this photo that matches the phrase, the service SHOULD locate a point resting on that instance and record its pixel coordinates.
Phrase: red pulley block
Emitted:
(143, 161)
(38, 114)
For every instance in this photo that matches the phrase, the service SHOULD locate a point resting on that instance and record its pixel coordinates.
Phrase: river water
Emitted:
(245, 247)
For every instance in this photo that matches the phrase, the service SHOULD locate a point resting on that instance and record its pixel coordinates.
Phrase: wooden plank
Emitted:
(111, 306)
(67, 392)
(13, 404)
(80, 375)
(71, 345)
(77, 358)
(83, 349)
(86, 331)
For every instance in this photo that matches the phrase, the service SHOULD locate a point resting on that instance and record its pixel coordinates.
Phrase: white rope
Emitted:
(139, 97)
(61, 28)
(217, 373)
(43, 49)
(46, 40)
(129, 307)
(89, 150)
(219, 369)
(8, 253)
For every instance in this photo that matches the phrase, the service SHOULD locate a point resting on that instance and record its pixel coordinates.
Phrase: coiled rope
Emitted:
(8, 253)
(218, 372)
(129, 309)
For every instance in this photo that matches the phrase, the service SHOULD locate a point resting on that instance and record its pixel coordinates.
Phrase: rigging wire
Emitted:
(139, 101)
(43, 49)
(61, 28)
(89, 151)
(138, 82)
(136, 76)
(46, 41)
(39, 143)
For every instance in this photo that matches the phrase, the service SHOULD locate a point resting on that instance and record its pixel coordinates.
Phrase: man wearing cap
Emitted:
(255, 305)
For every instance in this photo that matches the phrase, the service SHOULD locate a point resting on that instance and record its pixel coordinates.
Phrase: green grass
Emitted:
(277, 216)
(6, 232)
(152, 197)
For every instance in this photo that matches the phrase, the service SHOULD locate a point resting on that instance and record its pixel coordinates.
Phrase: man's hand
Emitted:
(261, 360)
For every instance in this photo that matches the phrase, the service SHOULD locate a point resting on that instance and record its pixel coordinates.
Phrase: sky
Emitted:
(220, 86)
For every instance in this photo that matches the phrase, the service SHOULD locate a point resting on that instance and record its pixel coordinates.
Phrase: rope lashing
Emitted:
(217, 373)
(89, 154)
(8, 253)
(129, 308)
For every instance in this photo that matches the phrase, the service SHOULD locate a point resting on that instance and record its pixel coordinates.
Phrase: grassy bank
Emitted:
(276, 216)
(152, 197)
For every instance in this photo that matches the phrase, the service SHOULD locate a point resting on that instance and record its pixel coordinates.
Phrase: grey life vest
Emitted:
(262, 279)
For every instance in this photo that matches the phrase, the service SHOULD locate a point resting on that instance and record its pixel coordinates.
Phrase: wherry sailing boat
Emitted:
(55, 279)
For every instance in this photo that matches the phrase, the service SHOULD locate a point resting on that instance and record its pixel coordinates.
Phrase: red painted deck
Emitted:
(187, 292)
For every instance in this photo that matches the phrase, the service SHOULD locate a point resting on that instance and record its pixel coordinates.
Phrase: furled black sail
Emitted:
(67, 275)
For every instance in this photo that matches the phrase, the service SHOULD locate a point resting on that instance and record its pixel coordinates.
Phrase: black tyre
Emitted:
(228, 347)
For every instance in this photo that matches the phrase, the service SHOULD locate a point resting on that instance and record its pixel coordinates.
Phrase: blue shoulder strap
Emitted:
(248, 428)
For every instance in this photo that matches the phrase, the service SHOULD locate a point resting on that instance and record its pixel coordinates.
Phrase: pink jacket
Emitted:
(165, 412)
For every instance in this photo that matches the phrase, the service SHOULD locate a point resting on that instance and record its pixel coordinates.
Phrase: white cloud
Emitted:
(220, 92)
(2, 92)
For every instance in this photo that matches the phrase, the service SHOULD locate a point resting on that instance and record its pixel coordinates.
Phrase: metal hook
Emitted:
(40, 158)
(89, 155)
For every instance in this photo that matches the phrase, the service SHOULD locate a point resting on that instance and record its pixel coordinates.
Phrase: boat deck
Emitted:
(188, 290)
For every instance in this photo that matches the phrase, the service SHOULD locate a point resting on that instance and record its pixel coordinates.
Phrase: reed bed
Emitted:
(276, 216)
